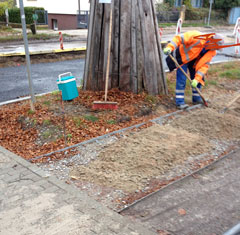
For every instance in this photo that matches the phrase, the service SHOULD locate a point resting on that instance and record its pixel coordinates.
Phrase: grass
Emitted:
(39, 36)
(111, 122)
(55, 93)
(91, 118)
(77, 121)
(47, 102)
(46, 134)
(151, 99)
(46, 122)
(30, 112)
(231, 73)
(69, 136)
(190, 24)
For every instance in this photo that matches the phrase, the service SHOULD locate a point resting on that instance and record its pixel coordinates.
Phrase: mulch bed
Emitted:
(30, 134)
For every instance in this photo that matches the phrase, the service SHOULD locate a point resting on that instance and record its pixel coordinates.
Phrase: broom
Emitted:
(106, 104)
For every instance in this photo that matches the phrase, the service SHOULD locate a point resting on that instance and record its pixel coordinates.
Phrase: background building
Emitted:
(63, 14)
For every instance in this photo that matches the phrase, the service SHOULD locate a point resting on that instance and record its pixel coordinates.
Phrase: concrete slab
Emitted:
(206, 203)
(33, 203)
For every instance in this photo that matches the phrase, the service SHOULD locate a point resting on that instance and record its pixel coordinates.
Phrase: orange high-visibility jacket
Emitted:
(190, 49)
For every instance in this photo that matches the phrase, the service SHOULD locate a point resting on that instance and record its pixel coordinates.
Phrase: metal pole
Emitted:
(32, 101)
(210, 9)
(79, 7)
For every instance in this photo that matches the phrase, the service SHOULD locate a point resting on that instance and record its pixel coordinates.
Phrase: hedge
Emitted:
(202, 13)
(14, 15)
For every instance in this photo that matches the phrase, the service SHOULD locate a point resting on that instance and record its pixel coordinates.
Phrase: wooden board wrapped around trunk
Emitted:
(136, 53)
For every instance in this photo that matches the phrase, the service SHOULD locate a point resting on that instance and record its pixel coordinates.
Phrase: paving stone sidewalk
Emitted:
(33, 203)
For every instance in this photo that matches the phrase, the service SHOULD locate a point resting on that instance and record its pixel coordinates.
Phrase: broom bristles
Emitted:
(104, 105)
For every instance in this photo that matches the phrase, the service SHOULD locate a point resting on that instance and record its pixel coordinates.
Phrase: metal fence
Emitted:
(82, 20)
(42, 17)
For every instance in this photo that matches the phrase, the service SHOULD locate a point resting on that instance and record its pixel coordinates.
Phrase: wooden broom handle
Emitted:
(109, 53)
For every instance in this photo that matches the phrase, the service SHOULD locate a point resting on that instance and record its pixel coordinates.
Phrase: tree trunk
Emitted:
(136, 53)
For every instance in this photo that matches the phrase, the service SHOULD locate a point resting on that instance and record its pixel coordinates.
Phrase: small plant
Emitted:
(46, 134)
(77, 121)
(47, 102)
(30, 112)
(229, 65)
(46, 122)
(69, 137)
(91, 118)
(213, 82)
(55, 93)
(34, 122)
(111, 122)
(151, 99)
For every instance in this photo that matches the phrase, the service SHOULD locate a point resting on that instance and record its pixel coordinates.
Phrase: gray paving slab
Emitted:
(207, 203)
(32, 203)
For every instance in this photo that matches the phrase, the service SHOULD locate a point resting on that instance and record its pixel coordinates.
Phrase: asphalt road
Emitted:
(14, 82)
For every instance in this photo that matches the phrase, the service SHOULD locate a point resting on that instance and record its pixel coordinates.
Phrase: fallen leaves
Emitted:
(181, 211)
(20, 129)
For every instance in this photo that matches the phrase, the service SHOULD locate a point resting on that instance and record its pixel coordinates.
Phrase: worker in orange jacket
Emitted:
(191, 54)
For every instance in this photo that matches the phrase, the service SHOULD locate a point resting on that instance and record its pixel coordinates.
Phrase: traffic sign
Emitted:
(105, 1)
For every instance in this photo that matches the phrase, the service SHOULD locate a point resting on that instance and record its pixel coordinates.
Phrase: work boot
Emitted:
(198, 102)
(182, 106)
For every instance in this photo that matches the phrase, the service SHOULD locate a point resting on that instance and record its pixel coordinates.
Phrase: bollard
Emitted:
(179, 27)
(237, 40)
(160, 33)
(236, 26)
(61, 40)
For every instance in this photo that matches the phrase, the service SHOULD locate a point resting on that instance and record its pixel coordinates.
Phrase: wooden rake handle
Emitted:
(109, 51)
(199, 92)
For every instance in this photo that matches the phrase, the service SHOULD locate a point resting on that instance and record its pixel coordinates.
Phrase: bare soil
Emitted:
(130, 163)
(123, 168)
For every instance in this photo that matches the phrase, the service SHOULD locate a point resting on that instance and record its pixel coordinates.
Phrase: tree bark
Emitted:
(136, 53)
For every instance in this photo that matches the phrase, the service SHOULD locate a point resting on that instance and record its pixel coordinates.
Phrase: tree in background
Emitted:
(3, 6)
(8, 3)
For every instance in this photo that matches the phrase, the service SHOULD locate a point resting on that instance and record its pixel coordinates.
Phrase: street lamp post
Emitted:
(79, 7)
(29, 72)
(210, 9)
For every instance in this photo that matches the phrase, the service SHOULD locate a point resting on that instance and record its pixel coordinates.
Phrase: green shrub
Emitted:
(14, 14)
(91, 118)
(202, 13)
(3, 6)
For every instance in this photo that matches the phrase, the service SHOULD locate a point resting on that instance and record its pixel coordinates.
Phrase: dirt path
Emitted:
(133, 161)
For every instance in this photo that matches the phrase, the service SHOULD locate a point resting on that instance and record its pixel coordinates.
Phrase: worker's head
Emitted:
(221, 40)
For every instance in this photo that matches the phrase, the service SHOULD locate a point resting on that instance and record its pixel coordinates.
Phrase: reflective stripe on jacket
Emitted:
(190, 49)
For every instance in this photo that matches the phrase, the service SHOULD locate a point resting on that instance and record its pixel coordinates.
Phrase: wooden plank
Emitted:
(125, 46)
(150, 81)
(98, 83)
(89, 43)
(140, 56)
(134, 80)
(103, 48)
(153, 41)
(162, 76)
(114, 70)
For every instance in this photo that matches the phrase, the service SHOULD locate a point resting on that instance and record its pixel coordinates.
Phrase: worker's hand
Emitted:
(167, 51)
(194, 83)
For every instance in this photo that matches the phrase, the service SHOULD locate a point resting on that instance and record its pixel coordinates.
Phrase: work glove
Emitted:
(167, 51)
(194, 83)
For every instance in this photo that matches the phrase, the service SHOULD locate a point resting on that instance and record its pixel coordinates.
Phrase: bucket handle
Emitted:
(63, 75)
